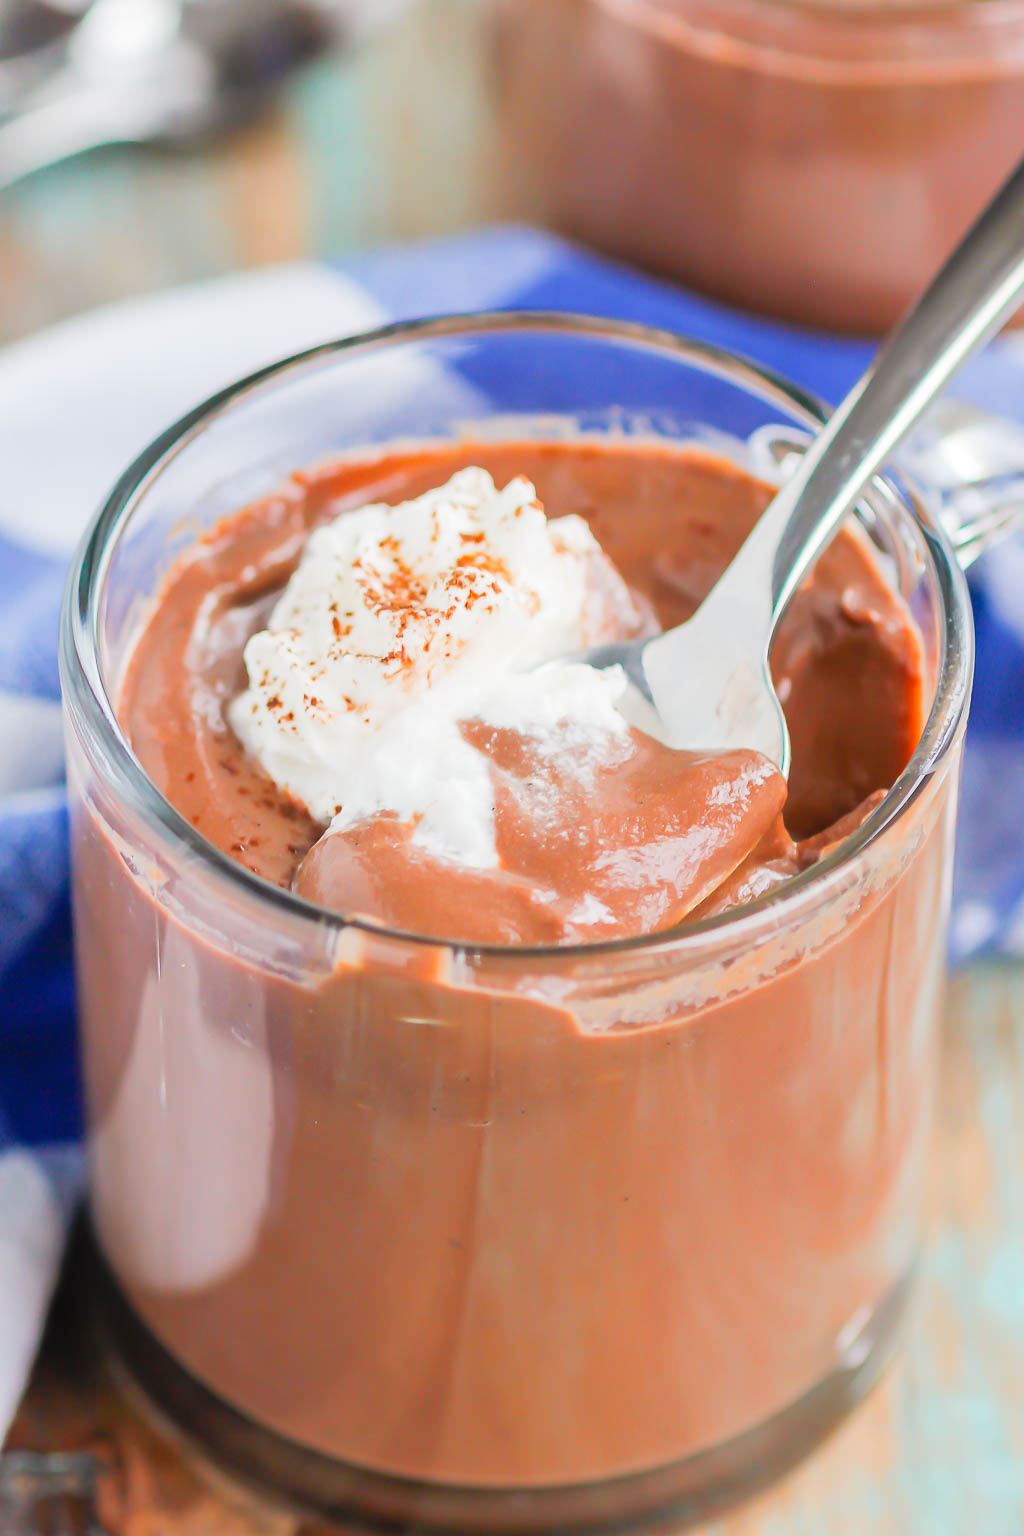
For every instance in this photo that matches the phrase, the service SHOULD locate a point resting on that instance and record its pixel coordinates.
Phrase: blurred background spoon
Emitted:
(149, 71)
(32, 38)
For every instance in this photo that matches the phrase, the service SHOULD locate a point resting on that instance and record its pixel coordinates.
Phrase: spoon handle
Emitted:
(977, 289)
(66, 125)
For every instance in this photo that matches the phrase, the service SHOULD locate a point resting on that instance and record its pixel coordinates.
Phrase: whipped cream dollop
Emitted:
(401, 622)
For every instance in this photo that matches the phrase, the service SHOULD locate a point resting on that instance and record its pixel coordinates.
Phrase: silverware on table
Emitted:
(156, 71)
(32, 38)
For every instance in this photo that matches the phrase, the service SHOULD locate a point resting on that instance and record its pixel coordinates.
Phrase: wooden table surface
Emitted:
(395, 143)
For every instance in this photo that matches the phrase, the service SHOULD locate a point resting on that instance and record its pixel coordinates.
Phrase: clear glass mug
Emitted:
(508, 1238)
(816, 159)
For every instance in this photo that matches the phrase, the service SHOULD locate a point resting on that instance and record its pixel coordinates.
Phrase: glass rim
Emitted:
(906, 15)
(86, 696)
(843, 40)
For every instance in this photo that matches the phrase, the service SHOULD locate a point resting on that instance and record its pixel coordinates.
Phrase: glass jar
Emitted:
(815, 159)
(518, 1239)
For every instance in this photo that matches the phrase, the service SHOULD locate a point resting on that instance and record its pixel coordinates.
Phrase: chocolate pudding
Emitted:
(814, 160)
(480, 1217)
(849, 668)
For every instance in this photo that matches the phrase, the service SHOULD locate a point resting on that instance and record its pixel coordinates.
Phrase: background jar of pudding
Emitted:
(498, 1238)
(815, 159)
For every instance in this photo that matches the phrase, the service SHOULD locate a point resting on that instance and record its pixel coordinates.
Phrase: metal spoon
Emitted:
(165, 71)
(707, 684)
(28, 28)
(33, 35)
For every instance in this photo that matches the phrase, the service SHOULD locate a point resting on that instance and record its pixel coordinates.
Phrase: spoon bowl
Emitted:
(707, 684)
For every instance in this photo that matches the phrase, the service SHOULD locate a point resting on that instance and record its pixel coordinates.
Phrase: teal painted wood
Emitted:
(393, 143)
(938, 1449)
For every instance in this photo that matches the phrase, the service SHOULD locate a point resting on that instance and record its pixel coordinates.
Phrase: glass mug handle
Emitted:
(969, 461)
(972, 463)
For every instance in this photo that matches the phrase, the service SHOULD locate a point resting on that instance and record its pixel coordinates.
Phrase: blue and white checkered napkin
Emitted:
(79, 401)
